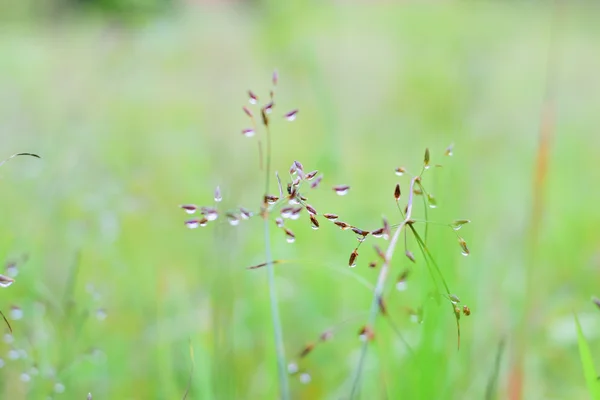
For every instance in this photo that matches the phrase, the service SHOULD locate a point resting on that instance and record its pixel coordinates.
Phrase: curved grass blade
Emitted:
(17, 155)
(589, 371)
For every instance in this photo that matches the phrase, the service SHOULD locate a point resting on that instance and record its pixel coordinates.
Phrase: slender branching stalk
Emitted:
(275, 318)
(383, 274)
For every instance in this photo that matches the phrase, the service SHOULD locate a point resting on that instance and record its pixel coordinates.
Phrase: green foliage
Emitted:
(133, 122)
(587, 362)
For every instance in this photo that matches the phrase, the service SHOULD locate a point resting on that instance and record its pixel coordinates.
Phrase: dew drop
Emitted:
(292, 368)
(399, 171)
(12, 270)
(101, 314)
(401, 286)
(16, 313)
(290, 239)
(305, 378)
(59, 387)
(464, 253)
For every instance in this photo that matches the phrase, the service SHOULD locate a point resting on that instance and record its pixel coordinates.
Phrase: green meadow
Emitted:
(115, 296)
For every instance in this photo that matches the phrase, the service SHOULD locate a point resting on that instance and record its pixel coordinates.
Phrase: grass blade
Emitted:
(589, 371)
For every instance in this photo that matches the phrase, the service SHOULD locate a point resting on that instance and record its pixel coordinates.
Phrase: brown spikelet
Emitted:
(352, 260)
(466, 311)
(343, 226)
(379, 252)
(382, 307)
(314, 222)
(397, 192)
(331, 217)
(310, 209)
(306, 350)
(377, 233)
(463, 245)
(263, 264)
(366, 333)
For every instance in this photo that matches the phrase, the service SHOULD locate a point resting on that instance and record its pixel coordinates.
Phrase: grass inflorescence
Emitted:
(290, 201)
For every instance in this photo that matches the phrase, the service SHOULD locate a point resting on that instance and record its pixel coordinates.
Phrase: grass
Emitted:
(131, 123)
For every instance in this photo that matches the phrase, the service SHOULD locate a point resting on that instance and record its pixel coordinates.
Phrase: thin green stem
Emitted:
(275, 318)
(379, 288)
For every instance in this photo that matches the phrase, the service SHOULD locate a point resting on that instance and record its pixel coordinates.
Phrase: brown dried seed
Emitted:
(382, 306)
(267, 109)
(253, 99)
(286, 212)
(352, 261)
(325, 336)
(307, 349)
(377, 233)
(6, 281)
(372, 264)
(401, 281)
(289, 236)
(310, 209)
(400, 171)
(293, 168)
(232, 219)
(210, 213)
(360, 232)
(465, 250)
(189, 208)
(290, 116)
(331, 217)
(379, 252)
(341, 190)
(299, 165)
(246, 214)
(311, 175)
(263, 264)
(314, 222)
(343, 225)
(397, 192)
(386, 229)
(271, 199)
(194, 223)
(466, 311)
(456, 225)
(316, 182)
(410, 255)
(366, 334)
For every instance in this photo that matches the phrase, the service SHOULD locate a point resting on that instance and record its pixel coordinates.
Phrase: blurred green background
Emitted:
(135, 108)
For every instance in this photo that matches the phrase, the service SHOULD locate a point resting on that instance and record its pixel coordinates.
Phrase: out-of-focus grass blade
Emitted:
(17, 155)
(587, 362)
